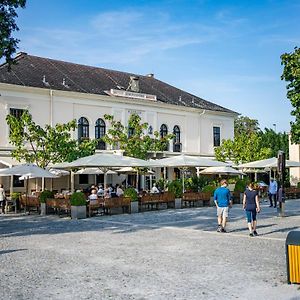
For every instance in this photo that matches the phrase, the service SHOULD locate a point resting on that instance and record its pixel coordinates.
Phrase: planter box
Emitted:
(43, 209)
(178, 203)
(134, 207)
(78, 212)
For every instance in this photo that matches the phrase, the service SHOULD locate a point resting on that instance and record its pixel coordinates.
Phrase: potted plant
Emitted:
(176, 188)
(210, 189)
(43, 197)
(240, 188)
(133, 195)
(15, 197)
(78, 205)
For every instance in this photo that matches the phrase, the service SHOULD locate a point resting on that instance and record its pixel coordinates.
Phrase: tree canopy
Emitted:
(133, 139)
(291, 74)
(250, 143)
(46, 145)
(8, 14)
(244, 124)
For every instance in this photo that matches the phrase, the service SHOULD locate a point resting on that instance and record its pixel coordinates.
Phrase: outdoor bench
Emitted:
(117, 202)
(58, 205)
(30, 202)
(190, 198)
(154, 200)
(292, 193)
(96, 207)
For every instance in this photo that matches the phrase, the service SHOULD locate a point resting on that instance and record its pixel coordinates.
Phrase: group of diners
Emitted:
(109, 191)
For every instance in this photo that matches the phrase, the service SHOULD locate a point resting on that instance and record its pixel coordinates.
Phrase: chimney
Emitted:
(134, 84)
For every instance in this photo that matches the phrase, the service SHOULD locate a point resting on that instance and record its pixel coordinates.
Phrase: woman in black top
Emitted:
(251, 206)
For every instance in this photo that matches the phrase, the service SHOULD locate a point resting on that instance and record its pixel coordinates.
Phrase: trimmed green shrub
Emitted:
(78, 199)
(15, 196)
(298, 184)
(209, 189)
(195, 184)
(131, 193)
(175, 187)
(46, 195)
(161, 183)
(241, 184)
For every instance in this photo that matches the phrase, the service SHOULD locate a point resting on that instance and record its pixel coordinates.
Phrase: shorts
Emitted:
(251, 215)
(222, 212)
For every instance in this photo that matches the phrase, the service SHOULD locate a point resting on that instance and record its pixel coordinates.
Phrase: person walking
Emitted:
(251, 207)
(273, 192)
(223, 201)
(2, 198)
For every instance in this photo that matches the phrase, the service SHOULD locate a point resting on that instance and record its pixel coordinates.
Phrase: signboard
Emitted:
(128, 94)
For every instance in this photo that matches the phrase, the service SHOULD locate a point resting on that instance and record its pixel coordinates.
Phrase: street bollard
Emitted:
(292, 248)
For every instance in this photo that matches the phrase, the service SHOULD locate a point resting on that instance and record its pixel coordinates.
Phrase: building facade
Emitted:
(57, 92)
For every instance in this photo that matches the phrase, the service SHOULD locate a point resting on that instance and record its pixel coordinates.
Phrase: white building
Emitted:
(294, 154)
(57, 92)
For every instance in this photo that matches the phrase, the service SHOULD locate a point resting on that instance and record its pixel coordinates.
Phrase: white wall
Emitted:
(196, 126)
(294, 154)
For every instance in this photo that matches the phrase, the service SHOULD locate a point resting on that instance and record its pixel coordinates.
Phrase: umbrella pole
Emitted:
(105, 179)
(72, 181)
(43, 183)
(137, 179)
(11, 184)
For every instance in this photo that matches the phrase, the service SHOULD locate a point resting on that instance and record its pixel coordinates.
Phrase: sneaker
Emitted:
(251, 234)
(219, 228)
(255, 233)
(270, 205)
(223, 230)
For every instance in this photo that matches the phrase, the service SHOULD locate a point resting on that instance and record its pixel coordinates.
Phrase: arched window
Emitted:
(100, 130)
(163, 134)
(176, 139)
(83, 129)
(163, 130)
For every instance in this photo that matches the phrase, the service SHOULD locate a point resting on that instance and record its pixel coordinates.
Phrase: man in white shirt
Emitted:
(154, 189)
(119, 191)
(273, 192)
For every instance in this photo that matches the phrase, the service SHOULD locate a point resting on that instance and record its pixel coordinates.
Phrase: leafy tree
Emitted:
(291, 74)
(132, 138)
(245, 125)
(42, 146)
(275, 141)
(243, 148)
(8, 44)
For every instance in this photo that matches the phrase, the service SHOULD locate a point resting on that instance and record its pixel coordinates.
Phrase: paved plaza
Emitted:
(167, 254)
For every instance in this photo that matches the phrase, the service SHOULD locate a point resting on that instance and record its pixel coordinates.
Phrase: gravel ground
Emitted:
(167, 254)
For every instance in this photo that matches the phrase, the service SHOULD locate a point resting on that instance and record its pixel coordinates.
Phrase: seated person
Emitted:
(154, 189)
(100, 192)
(93, 197)
(119, 191)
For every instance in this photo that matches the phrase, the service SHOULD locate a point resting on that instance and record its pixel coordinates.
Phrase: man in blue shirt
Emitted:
(273, 192)
(222, 200)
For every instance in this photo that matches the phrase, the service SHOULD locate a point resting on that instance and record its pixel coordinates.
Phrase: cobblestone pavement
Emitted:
(167, 254)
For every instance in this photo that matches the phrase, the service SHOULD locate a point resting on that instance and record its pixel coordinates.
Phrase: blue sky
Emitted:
(227, 52)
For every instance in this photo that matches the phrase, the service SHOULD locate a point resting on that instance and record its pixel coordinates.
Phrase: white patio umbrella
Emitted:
(94, 171)
(105, 162)
(130, 170)
(223, 170)
(184, 161)
(27, 171)
(268, 163)
(59, 172)
(189, 161)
